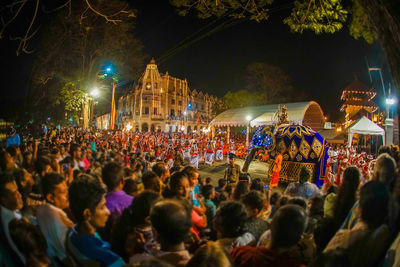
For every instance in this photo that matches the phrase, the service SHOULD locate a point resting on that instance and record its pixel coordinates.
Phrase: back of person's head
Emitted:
(254, 200)
(347, 193)
(223, 196)
(207, 191)
(374, 199)
(112, 174)
(85, 192)
(333, 189)
(287, 226)
(351, 178)
(74, 147)
(208, 180)
(50, 181)
(54, 151)
(305, 174)
(385, 150)
(385, 169)
(316, 206)
(139, 210)
(300, 201)
(30, 242)
(172, 219)
(42, 163)
(151, 181)
(210, 255)
(159, 169)
(221, 183)
(230, 219)
(128, 172)
(241, 189)
(12, 150)
(257, 184)
(131, 187)
(283, 200)
(275, 196)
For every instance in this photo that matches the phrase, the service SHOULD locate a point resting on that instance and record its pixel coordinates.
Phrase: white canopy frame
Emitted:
(364, 126)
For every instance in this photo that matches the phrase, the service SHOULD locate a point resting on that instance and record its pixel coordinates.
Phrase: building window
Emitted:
(146, 110)
(156, 98)
(172, 112)
(179, 113)
(196, 106)
(172, 101)
(180, 103)
(155, 111)
(202, 107)
(155, 85)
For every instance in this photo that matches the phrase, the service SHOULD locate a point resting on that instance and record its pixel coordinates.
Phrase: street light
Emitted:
(390, 101)
(248, 119)
(95, 92)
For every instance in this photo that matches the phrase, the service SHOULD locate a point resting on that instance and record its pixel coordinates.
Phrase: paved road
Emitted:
(216, 171)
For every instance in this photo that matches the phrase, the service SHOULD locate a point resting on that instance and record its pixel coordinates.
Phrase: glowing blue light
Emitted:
(189, 106)
(70, 119)
(108, 69)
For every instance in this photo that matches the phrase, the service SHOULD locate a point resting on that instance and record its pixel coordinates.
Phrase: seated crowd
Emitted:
(68, 204)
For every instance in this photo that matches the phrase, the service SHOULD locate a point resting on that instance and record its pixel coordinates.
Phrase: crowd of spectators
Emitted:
(78, 198)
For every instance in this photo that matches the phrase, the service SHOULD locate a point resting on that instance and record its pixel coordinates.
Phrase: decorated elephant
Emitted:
(300, 146)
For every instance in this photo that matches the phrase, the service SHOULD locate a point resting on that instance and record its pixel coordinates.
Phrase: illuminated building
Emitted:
(358, 101)
(161, 102)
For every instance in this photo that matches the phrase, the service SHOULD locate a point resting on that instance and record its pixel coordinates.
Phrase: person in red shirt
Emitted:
(287, 227)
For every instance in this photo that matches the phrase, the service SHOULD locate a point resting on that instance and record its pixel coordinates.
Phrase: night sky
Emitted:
(319, 65)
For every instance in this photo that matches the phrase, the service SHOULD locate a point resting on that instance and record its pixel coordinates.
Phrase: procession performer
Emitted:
(231, 149)
(194, 161)
(219, 156)
(186, 151)
(170, 158)
(209, 157)
(276, 170)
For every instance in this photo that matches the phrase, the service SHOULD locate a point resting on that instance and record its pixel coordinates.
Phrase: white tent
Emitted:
(366, 127)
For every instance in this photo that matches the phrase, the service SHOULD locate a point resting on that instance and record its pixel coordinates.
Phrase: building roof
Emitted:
(307, 113)
(357, 88)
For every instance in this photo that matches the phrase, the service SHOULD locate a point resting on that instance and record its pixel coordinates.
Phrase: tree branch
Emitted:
(23, 44)
(11, 6)
(108, 18)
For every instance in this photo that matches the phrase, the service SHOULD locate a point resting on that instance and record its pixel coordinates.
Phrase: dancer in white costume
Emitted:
(219, 155)
(194, 161)
(209, 158)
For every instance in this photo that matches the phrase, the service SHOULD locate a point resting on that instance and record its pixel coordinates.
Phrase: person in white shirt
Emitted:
(51, 218)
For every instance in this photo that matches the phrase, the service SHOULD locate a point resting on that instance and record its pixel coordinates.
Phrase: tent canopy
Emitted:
(304, 113)
(365, 126)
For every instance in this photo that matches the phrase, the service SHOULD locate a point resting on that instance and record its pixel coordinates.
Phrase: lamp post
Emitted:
(248, 119)
(380, 74)
(94, 94)
(389, 102)
(184, 120)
